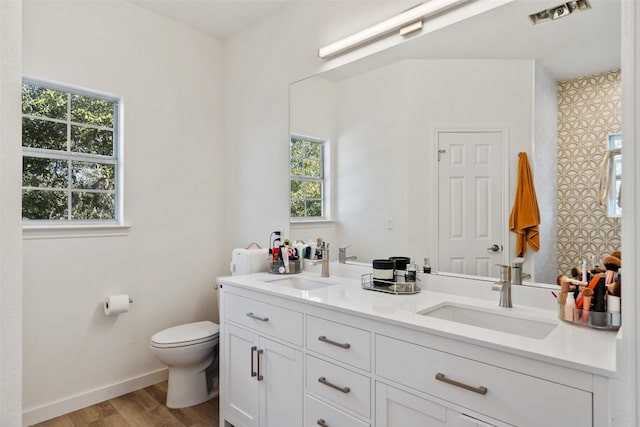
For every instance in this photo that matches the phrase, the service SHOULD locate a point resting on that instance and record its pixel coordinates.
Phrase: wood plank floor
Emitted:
(142, 408)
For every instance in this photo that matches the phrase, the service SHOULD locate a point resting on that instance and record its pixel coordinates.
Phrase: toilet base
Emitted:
(187, 388)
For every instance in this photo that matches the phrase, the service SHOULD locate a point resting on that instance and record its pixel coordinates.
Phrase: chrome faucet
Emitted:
(324, 261)
(342, 255)
(504, 286)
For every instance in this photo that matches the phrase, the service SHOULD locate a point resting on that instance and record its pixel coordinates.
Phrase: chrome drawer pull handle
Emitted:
(262, 319)
(324, 381)
(337, 344)
(479, 390)
(322, 423)
(253, 349)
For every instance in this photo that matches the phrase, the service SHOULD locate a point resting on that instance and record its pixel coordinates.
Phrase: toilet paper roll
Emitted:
(116, 304)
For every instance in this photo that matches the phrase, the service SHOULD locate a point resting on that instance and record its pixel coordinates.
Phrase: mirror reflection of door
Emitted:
(471, 218)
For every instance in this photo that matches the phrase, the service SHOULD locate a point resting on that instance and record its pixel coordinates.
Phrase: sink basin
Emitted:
(303, 283)
(488, 319)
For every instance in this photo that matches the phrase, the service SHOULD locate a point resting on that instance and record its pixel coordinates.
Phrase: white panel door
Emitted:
(241, 388)
(397, 408)
(471, 219)
(281, 385)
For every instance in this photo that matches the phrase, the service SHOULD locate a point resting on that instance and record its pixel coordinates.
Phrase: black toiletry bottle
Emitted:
(426, 267)
(410, 275)
(598, 314)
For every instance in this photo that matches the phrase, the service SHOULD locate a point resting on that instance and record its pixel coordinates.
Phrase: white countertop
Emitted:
(568, 345)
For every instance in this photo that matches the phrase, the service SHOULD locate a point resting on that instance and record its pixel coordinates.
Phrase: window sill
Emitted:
(310, 222)
(73, 231)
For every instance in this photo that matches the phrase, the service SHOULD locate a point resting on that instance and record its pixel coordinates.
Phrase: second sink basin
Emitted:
(496, 320)
(297, 282)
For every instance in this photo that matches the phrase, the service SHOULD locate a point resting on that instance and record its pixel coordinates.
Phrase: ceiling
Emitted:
(580, 44)
(221, 18)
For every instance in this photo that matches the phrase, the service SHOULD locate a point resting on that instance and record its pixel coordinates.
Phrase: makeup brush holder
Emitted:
(593, 319)
(278, 267)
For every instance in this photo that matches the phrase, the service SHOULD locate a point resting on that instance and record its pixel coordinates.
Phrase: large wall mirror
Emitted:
(423, 140)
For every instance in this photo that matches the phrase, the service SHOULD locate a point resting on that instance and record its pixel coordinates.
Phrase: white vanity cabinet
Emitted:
(322, 365)
(398, 408)
(262, 379)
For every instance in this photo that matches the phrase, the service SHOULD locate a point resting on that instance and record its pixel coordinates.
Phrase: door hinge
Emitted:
(440, 153)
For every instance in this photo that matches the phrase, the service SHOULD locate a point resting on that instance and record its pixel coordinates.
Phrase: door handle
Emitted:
(253, 349)
(260, 377)
(495, 248)
(321, 423)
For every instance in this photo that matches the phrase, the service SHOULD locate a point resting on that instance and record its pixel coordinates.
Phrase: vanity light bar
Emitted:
(406, 19)
(559, 11)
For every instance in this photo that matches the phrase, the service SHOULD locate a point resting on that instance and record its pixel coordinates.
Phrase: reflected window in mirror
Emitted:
(614, 145)
(307, 174)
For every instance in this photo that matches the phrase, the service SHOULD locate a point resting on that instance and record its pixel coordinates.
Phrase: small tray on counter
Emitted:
(603, 320)
(277, 267)
(388, 286)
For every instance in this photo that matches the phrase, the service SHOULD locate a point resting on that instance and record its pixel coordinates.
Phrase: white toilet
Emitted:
(188, 350)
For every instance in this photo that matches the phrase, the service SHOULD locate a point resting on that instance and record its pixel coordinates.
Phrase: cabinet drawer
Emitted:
(340, 342)
(338, 385)
(264, 318)
(511, 397)
(318, 413)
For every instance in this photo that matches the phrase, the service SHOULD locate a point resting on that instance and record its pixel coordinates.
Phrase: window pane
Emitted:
(297, 208)
(44, 134)
(314, 208)
(312, 150)
(91, 141)
(93, 206)
(313, 190)
(312, 168)
(92, 111)
(39, 172)
(297, 189)
(93, 176)
(40, 101)
(42, 204)
(296, 166)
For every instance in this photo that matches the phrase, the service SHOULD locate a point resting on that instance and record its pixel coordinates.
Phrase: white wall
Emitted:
(169, 77)
(10, 236)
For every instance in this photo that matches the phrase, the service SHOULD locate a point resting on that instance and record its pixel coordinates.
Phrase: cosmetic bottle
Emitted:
(568, 307)
(613, 309)
(410, 275)
(599, 315)
(426, 266)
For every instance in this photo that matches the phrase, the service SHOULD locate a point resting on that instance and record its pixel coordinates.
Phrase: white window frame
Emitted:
(614, 210)
(69, 227)
(323, 179)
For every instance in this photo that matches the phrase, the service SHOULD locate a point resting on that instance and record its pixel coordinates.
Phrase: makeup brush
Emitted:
(612, 264)
(614, 289)
(576, 272)
(617, 254)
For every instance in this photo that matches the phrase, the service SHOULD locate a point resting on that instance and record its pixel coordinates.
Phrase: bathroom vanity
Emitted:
(308, 351)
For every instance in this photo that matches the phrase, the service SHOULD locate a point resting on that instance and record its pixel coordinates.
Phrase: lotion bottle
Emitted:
(569, 306)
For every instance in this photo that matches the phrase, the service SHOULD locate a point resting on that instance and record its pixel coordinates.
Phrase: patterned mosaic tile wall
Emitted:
(589, 108)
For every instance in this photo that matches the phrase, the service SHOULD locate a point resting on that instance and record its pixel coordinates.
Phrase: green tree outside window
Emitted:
(307, 178)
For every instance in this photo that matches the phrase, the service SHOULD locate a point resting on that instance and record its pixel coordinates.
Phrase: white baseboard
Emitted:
(73, 403)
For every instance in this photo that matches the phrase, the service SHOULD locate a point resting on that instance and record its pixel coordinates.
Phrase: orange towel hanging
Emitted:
(525, 215)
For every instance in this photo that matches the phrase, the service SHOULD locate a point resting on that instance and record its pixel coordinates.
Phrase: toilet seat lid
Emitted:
(187, 334)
